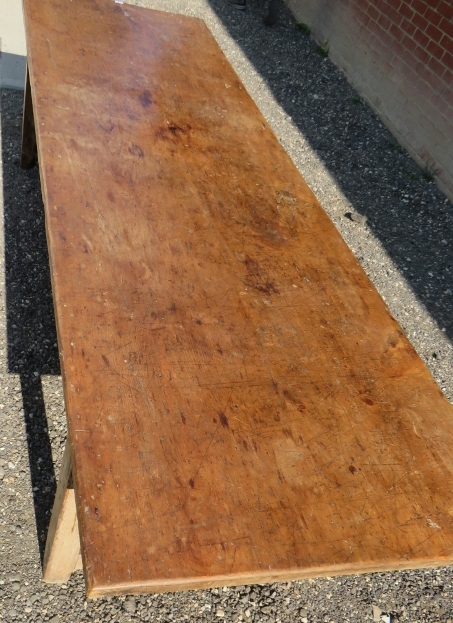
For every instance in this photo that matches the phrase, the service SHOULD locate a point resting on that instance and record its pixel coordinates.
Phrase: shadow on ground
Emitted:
(30, 322)
(408, 214)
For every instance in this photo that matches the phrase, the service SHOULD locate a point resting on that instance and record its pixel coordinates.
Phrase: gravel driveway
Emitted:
(392, 216)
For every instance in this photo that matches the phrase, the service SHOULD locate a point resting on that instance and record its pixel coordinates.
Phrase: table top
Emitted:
(242, 407)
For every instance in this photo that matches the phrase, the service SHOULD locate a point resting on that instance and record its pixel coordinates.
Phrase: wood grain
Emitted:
(242, 407)
(62, 554)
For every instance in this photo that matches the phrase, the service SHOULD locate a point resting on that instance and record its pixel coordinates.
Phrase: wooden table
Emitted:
(241, 405)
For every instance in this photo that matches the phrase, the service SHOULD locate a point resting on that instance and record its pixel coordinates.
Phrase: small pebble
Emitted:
(356, 217)
(15, 586)
(130, 605)
(220, 613)
(376, 613)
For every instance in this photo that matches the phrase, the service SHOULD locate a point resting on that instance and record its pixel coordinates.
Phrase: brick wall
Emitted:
(399, 55)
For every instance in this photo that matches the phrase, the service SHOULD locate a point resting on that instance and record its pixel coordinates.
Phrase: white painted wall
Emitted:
(12, 44)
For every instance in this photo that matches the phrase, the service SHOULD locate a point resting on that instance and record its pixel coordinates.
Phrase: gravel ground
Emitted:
(392, 216)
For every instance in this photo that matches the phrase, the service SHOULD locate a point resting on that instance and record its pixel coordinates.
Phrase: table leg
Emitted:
(62, 554)
(29, 153)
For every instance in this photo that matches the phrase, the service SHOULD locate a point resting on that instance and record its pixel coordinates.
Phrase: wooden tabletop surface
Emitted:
(241, 405)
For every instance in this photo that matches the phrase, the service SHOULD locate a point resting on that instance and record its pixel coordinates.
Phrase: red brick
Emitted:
(447, 60)
(384, 22)
(362, 18)
(427, 75)
(434, 33)
(422, 55)
(362, 4)
(419, 6)
(436, 67)
(433, 17)
(381, 6)
(408, 44)
(448, 78)
(406, 11)
(421, 38)
(373, 13)
(447, 27)
(386, 39)
(435, 50)
(407, 57)
(446, 43)
(373, 42)
(420, 21)
(365, 22)
(394, 4)
(408, 60)
(380, 43)
(396, 33)
(444, 91)
(408, 27)
(446, 9)
(393, 15)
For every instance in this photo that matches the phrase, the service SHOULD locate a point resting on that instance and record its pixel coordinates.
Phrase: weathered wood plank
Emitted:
(62, 553)
(242, 407)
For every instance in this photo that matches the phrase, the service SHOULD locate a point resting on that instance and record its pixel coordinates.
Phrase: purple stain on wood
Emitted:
(145, 99)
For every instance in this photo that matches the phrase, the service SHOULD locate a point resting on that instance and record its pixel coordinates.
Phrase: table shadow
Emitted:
(30, 324)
